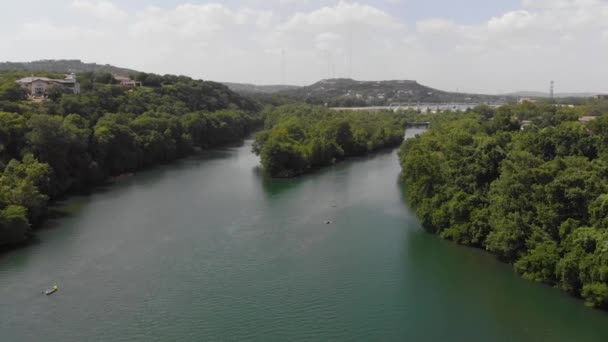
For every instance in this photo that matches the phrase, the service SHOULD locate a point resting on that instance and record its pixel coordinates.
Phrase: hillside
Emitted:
(348, 92)
(63, 66)
(253, 88)
(58, 142)
(340, 92)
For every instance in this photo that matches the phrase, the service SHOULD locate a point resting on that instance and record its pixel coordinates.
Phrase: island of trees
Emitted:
(301, 138)
(536, 197)
(72, 142)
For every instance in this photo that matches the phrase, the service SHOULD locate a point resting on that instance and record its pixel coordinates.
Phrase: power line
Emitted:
(283, 66)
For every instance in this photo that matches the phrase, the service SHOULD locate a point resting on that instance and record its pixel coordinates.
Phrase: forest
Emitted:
(300, 138)
(72, 142)
(535, 196)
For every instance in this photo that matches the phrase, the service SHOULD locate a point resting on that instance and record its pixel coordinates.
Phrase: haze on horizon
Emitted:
(473, 45)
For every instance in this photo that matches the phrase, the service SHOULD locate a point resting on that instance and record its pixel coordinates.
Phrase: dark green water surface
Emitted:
(210, 250)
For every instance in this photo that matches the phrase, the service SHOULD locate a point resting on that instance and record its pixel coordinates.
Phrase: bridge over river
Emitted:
(422, 107)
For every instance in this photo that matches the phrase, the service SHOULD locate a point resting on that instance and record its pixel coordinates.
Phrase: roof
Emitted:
(122, 78)
(45, 79)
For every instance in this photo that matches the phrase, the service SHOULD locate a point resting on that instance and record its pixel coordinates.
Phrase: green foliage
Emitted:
(536, 197)
(14, 225)
(73, 141)
(596, 295)
(10, 91)
(21, 199)
(301, 138)
(12, 136)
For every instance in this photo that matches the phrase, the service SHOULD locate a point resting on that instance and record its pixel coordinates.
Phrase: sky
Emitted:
(479, 46)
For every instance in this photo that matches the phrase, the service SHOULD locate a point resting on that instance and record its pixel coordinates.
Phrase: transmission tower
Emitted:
(282, 66)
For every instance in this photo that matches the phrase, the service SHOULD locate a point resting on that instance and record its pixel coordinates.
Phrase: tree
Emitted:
(300, 138)
(535, 198)
(12, 136)
(23, 184)
(11, 91)
(596, 295)
(14, 226)
(115, 146)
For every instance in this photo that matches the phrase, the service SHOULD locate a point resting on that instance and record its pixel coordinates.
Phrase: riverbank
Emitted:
(209, 248)
(532, 197)
(103, 184)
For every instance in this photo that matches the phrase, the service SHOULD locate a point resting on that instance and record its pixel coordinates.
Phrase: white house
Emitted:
(126, 81)
(39, 86)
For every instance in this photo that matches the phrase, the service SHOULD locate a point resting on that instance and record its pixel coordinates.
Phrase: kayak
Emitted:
(51, 290)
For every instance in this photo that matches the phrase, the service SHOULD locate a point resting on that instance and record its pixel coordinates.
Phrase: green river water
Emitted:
(208, 249)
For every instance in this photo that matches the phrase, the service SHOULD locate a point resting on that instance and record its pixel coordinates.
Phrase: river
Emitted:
(208, 249)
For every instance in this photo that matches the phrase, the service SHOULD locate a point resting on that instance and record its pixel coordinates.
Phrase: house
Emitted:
(126, 81)
(39, 86)
(526, 99)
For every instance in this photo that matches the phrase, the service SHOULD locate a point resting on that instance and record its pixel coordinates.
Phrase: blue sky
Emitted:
(470, 45)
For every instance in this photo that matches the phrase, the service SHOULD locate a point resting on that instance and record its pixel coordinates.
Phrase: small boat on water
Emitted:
(51, 290)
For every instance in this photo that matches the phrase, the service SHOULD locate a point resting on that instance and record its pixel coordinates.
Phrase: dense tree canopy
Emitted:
(72, 141)
(300, 138)
(536, 197)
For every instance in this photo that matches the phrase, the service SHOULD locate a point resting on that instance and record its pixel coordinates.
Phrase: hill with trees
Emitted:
(71, 142)
(64, 66)
(246, 88)
(536, 197)
(344, 92)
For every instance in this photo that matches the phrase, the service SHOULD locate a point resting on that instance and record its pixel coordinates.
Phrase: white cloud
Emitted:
(515, 20)
(560, 4)
(344, 13)
(102, 9)
(32, 31)
(565, 40)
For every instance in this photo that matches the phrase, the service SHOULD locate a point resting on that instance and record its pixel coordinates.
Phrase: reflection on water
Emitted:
(211, 249)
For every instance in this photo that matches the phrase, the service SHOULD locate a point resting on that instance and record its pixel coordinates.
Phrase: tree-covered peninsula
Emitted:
(536, 196)
(70, 142)
(301, 138)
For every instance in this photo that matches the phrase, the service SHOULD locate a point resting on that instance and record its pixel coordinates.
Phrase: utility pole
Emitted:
(328, 63)
(350, 52)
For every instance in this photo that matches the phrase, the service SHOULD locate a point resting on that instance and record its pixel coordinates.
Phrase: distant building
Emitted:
(601, 97)
(39, 86)
(126, 81)
(526, 99)
(524, 124)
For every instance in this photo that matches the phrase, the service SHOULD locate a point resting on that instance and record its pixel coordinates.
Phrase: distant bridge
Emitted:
(422, 107)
